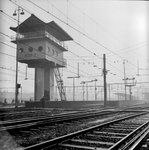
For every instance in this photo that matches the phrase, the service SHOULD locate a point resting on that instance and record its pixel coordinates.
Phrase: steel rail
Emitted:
(42, 118)
(20, 111)
(50, 143)
(53, 119)
(126, 142)
(140, 140)
(35, 118)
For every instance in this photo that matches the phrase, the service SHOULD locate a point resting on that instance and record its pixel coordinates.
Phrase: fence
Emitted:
(115, 91)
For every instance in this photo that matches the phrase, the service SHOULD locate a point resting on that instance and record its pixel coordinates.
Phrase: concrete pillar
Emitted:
(44, 83)
(39, 84)
(49, 82)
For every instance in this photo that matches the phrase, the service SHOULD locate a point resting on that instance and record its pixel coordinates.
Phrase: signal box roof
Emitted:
(54, 29)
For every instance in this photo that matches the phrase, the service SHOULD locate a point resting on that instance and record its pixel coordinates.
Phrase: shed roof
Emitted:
(122, 94)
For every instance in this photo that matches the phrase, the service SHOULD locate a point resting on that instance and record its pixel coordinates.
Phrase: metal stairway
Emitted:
(60, 84)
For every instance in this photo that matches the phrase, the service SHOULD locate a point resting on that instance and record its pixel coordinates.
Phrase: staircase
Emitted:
(60, 84)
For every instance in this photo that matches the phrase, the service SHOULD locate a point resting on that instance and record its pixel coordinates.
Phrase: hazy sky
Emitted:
(117, 28)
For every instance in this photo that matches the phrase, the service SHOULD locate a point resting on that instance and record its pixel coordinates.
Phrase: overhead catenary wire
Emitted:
(79, 32)
(69, 65)
(40, 33)
(128, 48)
(12, 75)
(94, 53)
(90, 38)
(79, 26)
(14, 56)
(29, 45)
(97, 23)
(133, 49)
(37, 57)
(109, 64)
(29, 73)
(10, 69)
(74, 29)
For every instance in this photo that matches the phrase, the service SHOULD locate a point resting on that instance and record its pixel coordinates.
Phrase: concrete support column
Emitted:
(44, 83)
(49, 83)
(39, 83)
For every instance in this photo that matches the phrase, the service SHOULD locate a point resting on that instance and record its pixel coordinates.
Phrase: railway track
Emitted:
(112, 135)
(141, 142)
(15, 115)
(27, 135)
(6, 116)
(142, 107)
(26, 122)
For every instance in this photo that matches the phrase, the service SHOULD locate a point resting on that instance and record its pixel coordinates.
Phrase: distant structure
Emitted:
(146, 96)
(41, 46)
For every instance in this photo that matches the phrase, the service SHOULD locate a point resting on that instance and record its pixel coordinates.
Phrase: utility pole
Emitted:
(130, 85)
(74, 85)
(74, 82)
(104, 79)
(87, 89)
(83, 88)
(124, 79)
(109, 92)
(101, 93)
(21, 92)
(83, 82)
(18, 11)
(95, 89)
(138, 67)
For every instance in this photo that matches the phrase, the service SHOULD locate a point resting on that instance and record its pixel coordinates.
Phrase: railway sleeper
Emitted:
(115, 130)
(110, 133)
(77, 147)
(122, 124)
(107, 136)
(123, 127)
(88, 143)
(99, 138)
(126, 122)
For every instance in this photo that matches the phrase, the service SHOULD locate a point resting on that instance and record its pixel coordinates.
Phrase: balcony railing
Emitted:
(40, 34)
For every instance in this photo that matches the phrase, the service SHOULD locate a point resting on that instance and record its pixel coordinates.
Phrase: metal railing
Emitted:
(39, 34)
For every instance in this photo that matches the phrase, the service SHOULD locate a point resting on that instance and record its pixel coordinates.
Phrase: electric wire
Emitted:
(8, 36)
(133, 49)
(128, 47)
(37, 57)
(37, 49)
(87, 50)
(96, 23)
(39, 33)
(81, 33)
(77, 31)
(69, 65)
(94, 54)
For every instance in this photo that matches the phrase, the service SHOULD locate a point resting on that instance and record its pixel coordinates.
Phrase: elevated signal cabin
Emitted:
(41, 46)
